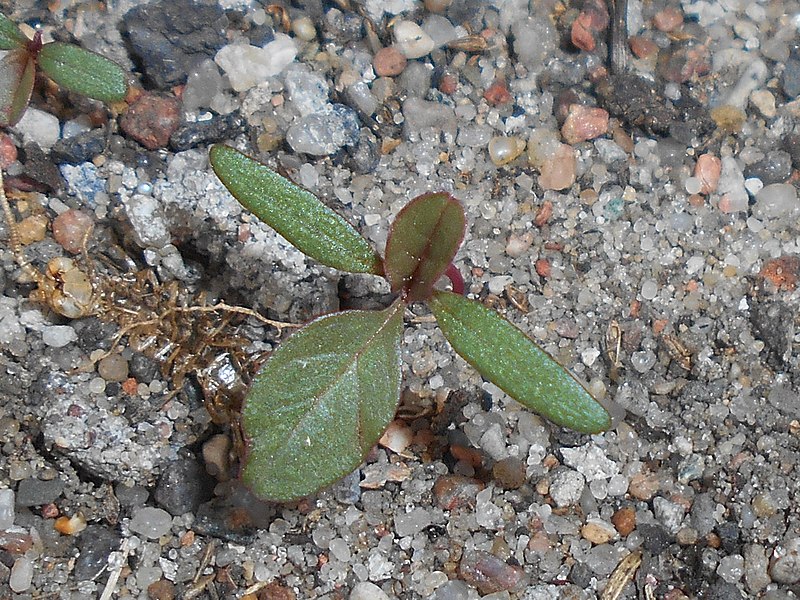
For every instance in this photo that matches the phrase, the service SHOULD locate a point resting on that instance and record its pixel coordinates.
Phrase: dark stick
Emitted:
(618, 45)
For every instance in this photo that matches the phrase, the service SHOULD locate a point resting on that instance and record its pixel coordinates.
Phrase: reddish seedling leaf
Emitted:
(17, 75)
(422, 242)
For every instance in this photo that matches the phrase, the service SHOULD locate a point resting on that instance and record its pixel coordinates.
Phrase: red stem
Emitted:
(35, 45)
(454, 275)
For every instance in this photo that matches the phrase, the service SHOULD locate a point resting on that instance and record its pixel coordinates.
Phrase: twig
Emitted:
(113, 577)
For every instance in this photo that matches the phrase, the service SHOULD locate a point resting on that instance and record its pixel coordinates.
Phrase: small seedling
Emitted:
(70, 66)
(325, 396)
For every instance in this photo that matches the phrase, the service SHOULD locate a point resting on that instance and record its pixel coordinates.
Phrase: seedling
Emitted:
(325, 396)
(70, 66)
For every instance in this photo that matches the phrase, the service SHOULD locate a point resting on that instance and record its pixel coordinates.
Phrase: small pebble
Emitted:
(39, 127)
(70, 525)
(36, 492)
(216, 456)
(503, 150)
(6, 509)
(454, 491)
(497, 93)
(642, 47)
(412, 40)
(32, 229)
(163, 589)
(183, 487)
(21, 575)
(777, 201)
(389, 62)
(70, 228)
(151, 522)
(687, 536)
(152, 119)
(764, 102)
(489, 573)
(113, 368)
(624, 520)
(559, 171)
(668, 19)
(58, 336)
(708, 169)
(510, 473)
(566, 487)
(786, 567)
(643, 486)
(304, 29)
(437, 6)
(397, 436)
(584, 123)
(367, 591)
(598, 532)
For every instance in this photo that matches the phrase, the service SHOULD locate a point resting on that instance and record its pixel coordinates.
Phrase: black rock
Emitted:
(728, 533)
(656, 538)
(581, 575)
(790, 78)
(202, 133)
(776, 167)
(722, 590)
(772, 324)
(143, 368)
(35, 492)
(183, 487)
(364, 156)
(79, 148)
(169, 38)
(95, 544)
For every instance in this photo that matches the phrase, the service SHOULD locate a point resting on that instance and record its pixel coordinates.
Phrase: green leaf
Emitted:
(17, 76)
(10, 36)
(295, 213)
(321, 401)
(423, 240)
(504, 355)
(83, 72)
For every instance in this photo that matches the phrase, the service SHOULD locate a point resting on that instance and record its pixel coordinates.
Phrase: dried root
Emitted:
(163, 321)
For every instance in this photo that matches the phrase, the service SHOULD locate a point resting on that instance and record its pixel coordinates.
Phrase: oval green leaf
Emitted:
(10, 35)
(83, 72)
(321, 401)
(295, 213)
(507, 357)
(423, 240)
(17, 76)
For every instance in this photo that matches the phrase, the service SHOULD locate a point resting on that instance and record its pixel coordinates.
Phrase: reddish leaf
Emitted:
(422, 242)
(17, 74)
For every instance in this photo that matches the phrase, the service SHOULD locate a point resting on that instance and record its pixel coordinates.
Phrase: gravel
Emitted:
(646, 235)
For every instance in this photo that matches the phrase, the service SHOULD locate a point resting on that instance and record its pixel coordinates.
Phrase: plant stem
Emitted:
(454, 275)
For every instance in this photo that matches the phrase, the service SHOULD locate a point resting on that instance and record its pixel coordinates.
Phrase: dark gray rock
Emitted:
(656, 538)
(776, 167)
(35, 492)
(95, 544)
(183, 487)
(79, 148)
(202, 133)
(772, 324)
(168, 39)
(790, 78)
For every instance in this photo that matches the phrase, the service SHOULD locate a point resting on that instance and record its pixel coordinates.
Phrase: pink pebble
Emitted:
(584, 123)
(389, 62)
(69, 229)
(668, 19)
(707, 170)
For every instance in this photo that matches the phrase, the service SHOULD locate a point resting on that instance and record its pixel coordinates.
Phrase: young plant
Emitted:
(70, 66)
(325, 396)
